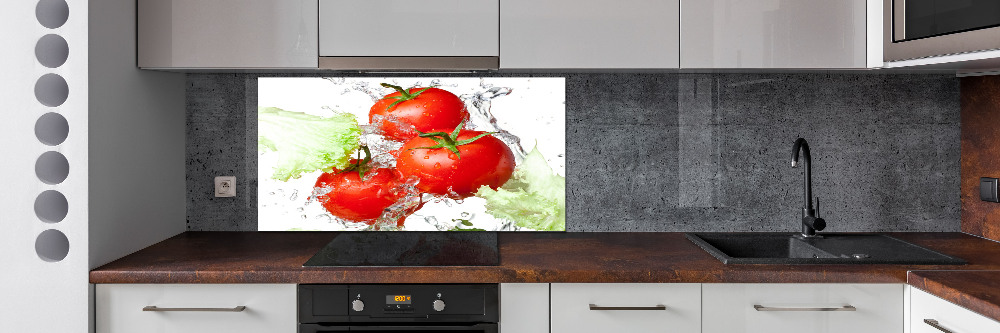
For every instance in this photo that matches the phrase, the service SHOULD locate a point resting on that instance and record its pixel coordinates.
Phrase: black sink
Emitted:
(787, 248)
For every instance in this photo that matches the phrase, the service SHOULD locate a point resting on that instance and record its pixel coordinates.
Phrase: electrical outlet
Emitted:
(225, 186)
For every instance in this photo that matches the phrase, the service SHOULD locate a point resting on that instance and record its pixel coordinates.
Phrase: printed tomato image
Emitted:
(456, 163)
(357, 193)
(420, 109)
(411, 154)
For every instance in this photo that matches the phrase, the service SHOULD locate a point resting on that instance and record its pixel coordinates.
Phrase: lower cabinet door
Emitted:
(626, 307)
(196, 308)
(802, 308)
(930, 314)
(524, 308)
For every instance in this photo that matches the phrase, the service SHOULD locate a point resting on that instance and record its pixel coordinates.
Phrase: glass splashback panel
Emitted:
(403, 153)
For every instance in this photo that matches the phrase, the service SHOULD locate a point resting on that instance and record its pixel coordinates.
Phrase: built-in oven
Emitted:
(466, 308)
(927, 28)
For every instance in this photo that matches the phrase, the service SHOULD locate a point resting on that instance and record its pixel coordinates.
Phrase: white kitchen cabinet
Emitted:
(777, 33)
(268, 308)
(925, 307)
(589, 34)
(802, 308)
(524, 308)
(626, 307)
(221, 34)
(400, 28)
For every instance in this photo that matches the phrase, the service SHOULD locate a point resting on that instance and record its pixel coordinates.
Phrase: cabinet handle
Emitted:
(759, 307)
(630, 308)
(935, 324)
(233, 309)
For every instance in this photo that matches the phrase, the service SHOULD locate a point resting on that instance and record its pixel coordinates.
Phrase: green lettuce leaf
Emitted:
(534, 197)
(306, 143)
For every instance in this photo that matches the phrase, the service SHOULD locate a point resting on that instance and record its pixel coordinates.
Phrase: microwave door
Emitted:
(914, 29)
(916, 19)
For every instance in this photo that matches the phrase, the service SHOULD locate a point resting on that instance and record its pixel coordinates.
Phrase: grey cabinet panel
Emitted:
(227, 33)
(773, 34)
(401, 28)
(589, 34)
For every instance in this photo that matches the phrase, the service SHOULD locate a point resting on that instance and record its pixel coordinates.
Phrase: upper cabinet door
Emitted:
(589, 34)
(227, 34)
(774, 34)
(404, 28)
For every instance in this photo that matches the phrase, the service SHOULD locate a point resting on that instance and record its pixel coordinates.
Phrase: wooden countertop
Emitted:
(978, 291)
(277, 257)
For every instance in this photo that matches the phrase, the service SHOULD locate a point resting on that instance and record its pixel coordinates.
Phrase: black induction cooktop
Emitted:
(409, 248)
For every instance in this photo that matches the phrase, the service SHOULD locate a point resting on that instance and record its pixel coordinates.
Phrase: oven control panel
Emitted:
(398, 303)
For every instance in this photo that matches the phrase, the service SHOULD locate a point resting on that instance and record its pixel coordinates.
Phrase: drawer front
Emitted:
(269, 308)
(730, 308)
(572, 311)
(949, 316)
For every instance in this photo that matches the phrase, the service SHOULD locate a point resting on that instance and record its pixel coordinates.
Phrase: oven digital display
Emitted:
(397, 299)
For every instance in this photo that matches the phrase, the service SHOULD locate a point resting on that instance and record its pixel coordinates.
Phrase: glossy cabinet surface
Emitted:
(269, 308)
(589, 34)
(730, 308)
(951, 317)
(366, 28)
(641, 307)
(227, 34)
(524, 308)
(773, 34)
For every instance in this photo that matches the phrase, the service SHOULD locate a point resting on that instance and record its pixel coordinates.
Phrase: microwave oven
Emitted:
(915, 29)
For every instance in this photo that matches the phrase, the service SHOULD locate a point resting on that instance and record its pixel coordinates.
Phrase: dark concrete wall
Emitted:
(683, 152)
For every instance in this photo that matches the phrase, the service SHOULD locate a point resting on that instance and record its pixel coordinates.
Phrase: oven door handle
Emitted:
(425, 327)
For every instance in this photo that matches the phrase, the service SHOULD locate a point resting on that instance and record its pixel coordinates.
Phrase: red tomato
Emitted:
(352, 199)
(485, 161)
(421, 109)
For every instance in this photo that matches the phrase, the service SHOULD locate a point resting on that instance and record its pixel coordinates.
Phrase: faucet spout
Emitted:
(803, 146)
(810, 222)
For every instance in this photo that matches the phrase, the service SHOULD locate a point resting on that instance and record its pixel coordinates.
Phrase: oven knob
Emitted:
(358, 305)
(438, 305)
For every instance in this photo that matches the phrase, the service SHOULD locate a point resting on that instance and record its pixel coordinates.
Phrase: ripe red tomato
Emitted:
(485, 161)
(357, 200)
(421, 109)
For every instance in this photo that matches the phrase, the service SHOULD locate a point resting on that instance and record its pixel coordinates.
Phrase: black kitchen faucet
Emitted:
(810, 222)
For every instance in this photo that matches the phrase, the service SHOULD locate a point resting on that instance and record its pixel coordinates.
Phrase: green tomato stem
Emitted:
(360, 165)
(450, 141)
(404, 95)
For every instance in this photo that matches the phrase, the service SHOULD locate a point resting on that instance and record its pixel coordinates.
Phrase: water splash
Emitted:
(481, 117)
(454, 196)
(336, 80)
(407, 204)
(319, 191)
(375, 93)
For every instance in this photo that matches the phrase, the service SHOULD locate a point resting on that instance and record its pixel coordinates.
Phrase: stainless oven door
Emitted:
(926, 28)
(471, 328)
